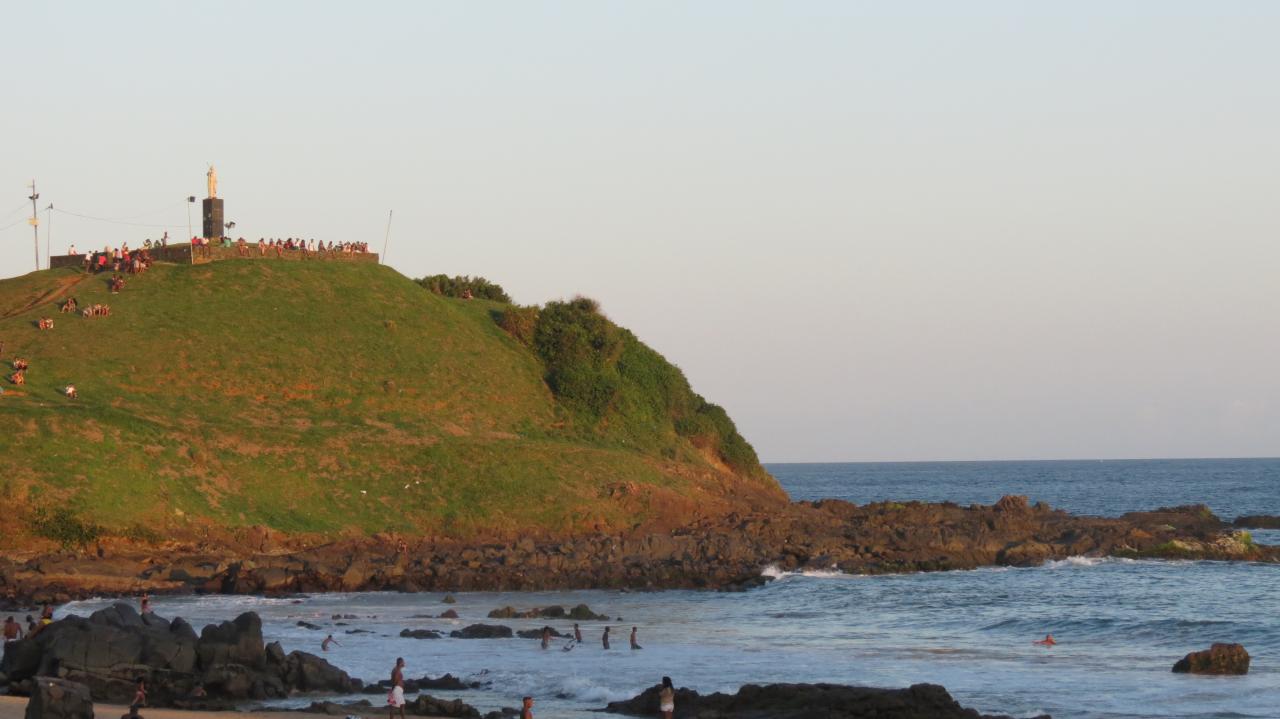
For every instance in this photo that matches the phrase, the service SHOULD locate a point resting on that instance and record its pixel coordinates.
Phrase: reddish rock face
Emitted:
(1218, 659)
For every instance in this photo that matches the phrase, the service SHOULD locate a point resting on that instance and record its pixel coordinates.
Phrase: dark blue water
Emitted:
(1109, 488)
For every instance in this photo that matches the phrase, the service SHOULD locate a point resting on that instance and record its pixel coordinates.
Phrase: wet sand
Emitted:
(16, 707)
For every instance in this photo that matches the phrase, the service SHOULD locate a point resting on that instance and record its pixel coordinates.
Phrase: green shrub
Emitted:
(519, 322)
(64, 526)
(143, 534)
(480, 288)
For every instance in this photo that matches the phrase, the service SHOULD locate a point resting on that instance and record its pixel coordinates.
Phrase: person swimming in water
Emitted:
(1048, 641)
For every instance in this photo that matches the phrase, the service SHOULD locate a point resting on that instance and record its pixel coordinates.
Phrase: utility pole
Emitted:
(35, 222)
(387, 238)
(191, 200)
(48, 236)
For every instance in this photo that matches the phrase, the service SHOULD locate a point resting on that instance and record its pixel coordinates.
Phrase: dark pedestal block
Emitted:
(213, 218)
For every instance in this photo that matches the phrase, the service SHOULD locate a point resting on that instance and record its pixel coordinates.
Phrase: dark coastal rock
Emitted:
(483, 631)
(113, 647)
(419, 634)
(805, 701)
(448, 682)
(427, 705)
(537, 633)
(1218, 659)
(448, 614)
(1257, 521)
(53, 698)
(309, 625)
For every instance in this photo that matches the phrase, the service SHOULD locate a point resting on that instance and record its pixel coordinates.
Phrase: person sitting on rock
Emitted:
(1048, 641)
(12, 630)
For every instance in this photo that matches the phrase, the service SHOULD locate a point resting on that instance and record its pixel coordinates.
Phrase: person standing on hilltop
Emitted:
(395, 700)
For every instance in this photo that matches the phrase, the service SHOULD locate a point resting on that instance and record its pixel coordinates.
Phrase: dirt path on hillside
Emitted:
(64, 287)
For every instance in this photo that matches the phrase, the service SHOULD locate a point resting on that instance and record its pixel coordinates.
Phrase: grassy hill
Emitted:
(324, 397)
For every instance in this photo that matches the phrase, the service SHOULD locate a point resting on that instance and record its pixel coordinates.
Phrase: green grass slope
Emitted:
(324, 397)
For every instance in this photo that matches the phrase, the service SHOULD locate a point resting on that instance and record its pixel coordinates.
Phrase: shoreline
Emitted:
(729, 552)
(14, 707)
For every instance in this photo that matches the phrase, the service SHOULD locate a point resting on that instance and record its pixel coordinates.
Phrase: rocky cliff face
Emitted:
(722, 553)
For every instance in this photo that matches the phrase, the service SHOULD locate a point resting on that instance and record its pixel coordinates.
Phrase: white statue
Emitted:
(212, 174)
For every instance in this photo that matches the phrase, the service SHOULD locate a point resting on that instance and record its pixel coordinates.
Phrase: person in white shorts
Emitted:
(395, 700)
(667, 698)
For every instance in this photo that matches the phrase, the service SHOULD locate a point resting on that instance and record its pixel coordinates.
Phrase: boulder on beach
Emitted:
(53, 698)
(448, 682)
(483, 631)
(448, 614)
(113, 647)
(1218, 659)
(804, 701)
(537, 633)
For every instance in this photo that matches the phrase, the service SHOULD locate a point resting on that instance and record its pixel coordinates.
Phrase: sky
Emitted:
(871, 231)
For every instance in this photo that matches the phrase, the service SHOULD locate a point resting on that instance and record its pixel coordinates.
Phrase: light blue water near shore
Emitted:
(1121, 623)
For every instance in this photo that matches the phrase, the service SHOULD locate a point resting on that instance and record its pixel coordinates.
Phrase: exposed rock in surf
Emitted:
(537, 633)
(483, 631)
(419, 634)
(115, 646)
(804, 701)
(448, 682)
(1217, 659)
(1258, 521)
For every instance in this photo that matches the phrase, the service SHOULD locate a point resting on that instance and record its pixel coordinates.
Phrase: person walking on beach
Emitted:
(667, 698)
(635, 644)
(395, 700)
(324, 646)
(139, 695)
(526, 709)
(604, 638)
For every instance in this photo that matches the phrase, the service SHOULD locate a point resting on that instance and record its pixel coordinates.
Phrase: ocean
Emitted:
(1121, 624)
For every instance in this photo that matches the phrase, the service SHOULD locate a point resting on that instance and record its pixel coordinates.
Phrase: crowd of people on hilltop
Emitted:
(277, 246)
(118, 259)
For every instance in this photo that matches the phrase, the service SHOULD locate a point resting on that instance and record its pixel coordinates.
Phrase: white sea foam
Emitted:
(773, 571)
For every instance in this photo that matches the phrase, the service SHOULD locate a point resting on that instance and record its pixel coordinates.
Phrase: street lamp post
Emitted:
(191, 200)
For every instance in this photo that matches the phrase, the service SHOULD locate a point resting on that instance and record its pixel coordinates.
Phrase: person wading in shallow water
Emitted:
(577, 633)
(395, 700)
(667, 698)
(526, 711)
(635, 643)
(329, 640)
(1048, 641)
(604, 638)
(546, 637)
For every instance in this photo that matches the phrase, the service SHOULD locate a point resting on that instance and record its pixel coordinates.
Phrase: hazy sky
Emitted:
(872, 231)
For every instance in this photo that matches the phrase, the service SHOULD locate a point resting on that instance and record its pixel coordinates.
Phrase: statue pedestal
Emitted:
(213, 218)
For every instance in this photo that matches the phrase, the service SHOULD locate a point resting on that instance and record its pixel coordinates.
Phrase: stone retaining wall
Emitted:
(182, 255)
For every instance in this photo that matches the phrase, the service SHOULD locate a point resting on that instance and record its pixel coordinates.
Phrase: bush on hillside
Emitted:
(601, 372)
(519, 322)
(64, 526)
(457, 286)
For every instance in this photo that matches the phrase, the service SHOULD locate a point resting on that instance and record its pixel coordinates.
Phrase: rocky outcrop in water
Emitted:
(1258, 521)
(725, 552)
(1217, 659)
(114, 647)
(483, 631)
(448, 682)
(805, 701)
